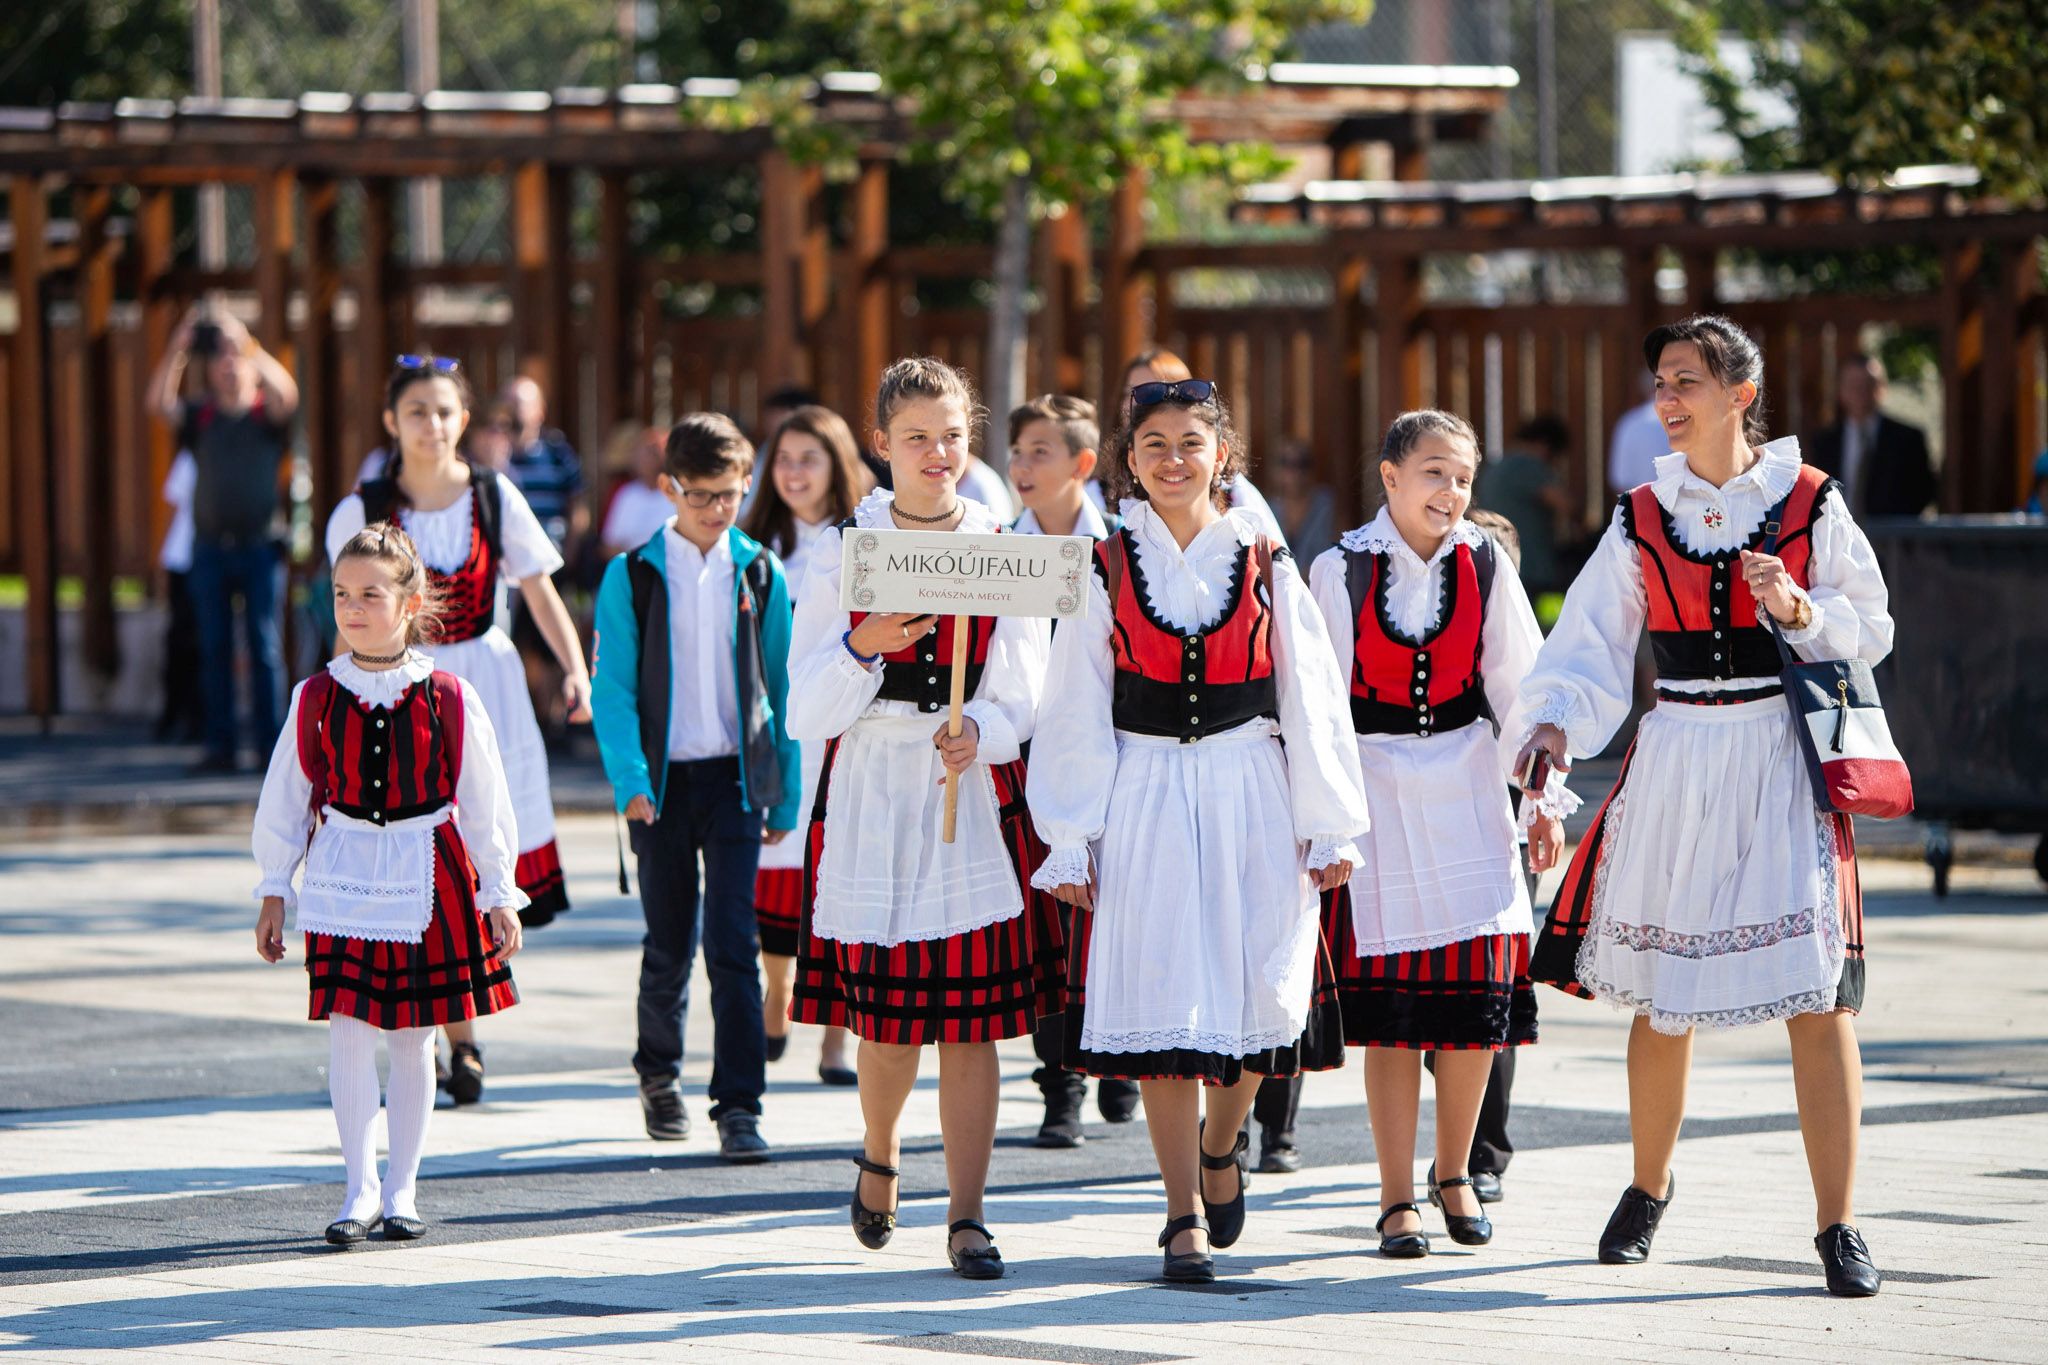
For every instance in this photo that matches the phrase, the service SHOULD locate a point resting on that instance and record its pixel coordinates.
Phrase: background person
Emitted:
(1880, 461)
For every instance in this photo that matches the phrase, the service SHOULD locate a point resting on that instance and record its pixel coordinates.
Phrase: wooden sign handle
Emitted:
(962, 628)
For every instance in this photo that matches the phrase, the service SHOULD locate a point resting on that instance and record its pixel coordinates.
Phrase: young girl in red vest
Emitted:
(1710, 893)
(474, 531)
(1431, 934)
(903, 938)
(385, 786)
(811, 480)
(1190, 843)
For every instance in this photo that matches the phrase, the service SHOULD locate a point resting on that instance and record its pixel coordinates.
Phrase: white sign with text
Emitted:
(949, 574)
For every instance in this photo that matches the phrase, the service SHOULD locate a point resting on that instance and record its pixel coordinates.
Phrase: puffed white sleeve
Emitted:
(527, 549)
(828, 687)
(1073, 759)
(344, 521)
(1005, 705)
(1509, 641)
(1323, 780)
(483, 811)
(1583, 681)
(1851, 608)
(1330, 585)
(284, 813)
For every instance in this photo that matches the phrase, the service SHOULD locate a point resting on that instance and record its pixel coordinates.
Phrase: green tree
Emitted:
(1029, 104)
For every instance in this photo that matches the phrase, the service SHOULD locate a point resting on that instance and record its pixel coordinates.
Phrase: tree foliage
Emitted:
(1880, 84)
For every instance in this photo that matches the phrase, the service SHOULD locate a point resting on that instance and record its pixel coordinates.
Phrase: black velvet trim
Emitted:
(778, 941)
(1320, 1048)
(1135, 572)
(1386, 1014)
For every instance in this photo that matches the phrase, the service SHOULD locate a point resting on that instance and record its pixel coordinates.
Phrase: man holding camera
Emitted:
(238, 429)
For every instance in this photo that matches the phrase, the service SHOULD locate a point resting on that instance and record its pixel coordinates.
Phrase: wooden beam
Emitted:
(1700, 264)
(1397, 315)
(276, 230)
(540, 280)
(1340, 437)
(1062, 313)
(93, 207)
(612, 317)
(382, 305)
(1962, 363)
(1123, 290)
(320, 392)
(868, 284)
(2010, 272)
(35, 484)
(154, 258)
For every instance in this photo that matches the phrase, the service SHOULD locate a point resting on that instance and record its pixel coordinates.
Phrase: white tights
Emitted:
(409, 1103)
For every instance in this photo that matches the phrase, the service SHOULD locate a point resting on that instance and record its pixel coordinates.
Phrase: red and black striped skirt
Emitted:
(1319, 1048)
(539, 874)
(451, 974)
(1474, 995)
(976, 987)
(778, 908)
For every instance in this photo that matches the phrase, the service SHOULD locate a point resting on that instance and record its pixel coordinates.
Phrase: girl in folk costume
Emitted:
(1431, 934)
(1190, 843)
(473, 529)
(905, 939)
(814, 481)
(391, 768)
(1710, 892)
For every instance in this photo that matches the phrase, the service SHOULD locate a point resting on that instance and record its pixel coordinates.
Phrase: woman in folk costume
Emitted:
(474, 531)
(408, 902)
(1191, 844)
(1431, 935)
(811, 479)
(1711, 892)
(905, 939)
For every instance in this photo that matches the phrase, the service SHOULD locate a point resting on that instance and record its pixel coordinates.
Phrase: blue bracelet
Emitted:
(846, 638)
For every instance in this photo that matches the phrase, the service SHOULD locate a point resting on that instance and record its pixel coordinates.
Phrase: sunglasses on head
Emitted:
(439, 364)
(1180, 391)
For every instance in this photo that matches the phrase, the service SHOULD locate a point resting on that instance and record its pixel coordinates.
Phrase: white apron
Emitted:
(371, 881)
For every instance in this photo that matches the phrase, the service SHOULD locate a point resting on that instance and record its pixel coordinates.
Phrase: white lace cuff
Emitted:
(509, 896)
(1062, 867)
(1805, 634)
(1557, 799)
(1326, 849)
(280, 887)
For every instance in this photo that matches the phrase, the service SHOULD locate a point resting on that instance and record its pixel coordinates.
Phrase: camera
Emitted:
(208, 340)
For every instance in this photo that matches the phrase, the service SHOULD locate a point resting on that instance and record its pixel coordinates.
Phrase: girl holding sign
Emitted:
(905, 938)
(1191, 845)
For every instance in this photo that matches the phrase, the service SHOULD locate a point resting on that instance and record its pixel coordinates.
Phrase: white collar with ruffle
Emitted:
(873, 514)
(383, 686)
(1771, 477)
(1381, 537)
(1236, 524)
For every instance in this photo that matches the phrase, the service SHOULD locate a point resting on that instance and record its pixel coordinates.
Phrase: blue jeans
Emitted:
(702, 816)
(218, 573)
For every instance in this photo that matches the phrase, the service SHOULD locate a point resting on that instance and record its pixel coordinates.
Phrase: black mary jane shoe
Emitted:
(1226, 1220)
(974, 1263)
(1190, 1267)
(348, 1232)
(874, 1227)
(838, 1075)
(1405, 1246)
(466, 1073)
(397, 1229)
(777, 1045)
(1466, 1232)
(1634, 1224)
(1851, 1272)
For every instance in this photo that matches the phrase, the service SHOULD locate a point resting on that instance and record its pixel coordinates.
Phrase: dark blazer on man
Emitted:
(1896, 477)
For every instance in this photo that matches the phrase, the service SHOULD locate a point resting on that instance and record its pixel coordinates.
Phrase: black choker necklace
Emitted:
(363, 658)
(947, 515)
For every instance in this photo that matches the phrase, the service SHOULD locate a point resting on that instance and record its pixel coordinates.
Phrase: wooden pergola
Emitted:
(97, 291)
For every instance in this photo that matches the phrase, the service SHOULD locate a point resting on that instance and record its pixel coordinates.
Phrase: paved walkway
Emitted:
(167, 1160)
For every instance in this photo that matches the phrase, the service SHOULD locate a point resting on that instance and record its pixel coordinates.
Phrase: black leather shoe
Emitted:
(1192, 1267)
(838, 1075)
(1465, 1231)
(1634, 1224)
(874, 1227)
(1401, 1245)
(661, 1105)
(974, 1263)
(1851, 1273)
(1117, 1100)
(398, 1229)
(777, 1045)
(466, 1073)
(739, 1138)
(1226, 1220)
(1277, 1153)
(350, 1232)
(1062, 1127)
(1486, 1184)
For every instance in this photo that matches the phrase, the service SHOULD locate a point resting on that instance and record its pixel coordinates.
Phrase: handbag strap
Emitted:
(1774, 526)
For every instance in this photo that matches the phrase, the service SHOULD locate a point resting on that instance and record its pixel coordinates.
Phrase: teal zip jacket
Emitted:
(633, 684)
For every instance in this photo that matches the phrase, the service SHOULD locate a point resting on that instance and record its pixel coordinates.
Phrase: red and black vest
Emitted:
(1702, 620)
(380, 764)
(922, 671)
(468, 597)
(1189, 685)
(1401, 686)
